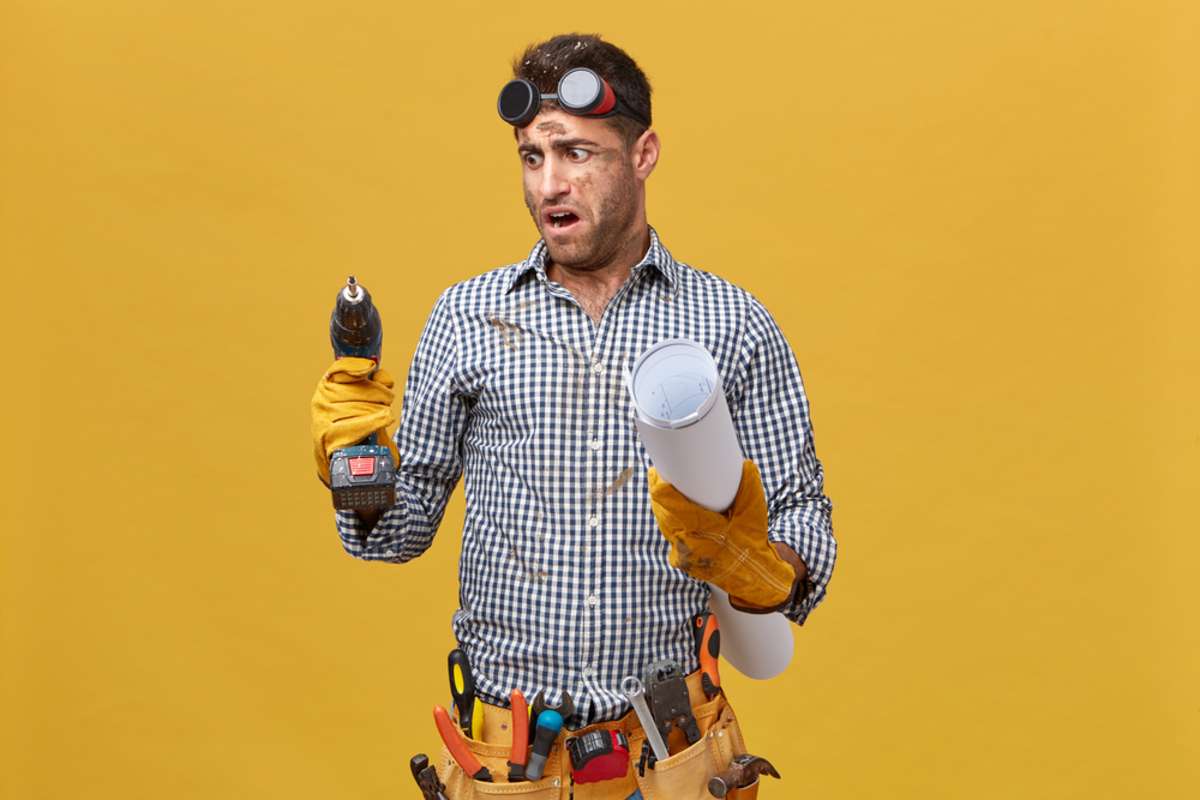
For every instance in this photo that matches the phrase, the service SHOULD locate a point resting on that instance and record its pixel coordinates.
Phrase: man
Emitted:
(518, 383)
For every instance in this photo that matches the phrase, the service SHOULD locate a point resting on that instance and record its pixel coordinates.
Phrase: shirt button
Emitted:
(593, 601)
(594, 521)
(598, 368)
(594, 444)
(589, 671)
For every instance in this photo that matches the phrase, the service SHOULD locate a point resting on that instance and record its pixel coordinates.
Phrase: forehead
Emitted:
(555, 124)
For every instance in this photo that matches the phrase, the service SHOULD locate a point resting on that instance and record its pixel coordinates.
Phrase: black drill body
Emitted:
(362, 477)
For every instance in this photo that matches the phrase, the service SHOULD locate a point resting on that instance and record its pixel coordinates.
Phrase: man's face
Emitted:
(581, 187)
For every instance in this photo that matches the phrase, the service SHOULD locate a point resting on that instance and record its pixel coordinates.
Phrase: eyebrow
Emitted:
(559, 144)
(567, 144)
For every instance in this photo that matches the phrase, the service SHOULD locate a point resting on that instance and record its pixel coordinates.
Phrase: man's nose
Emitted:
(553, 180)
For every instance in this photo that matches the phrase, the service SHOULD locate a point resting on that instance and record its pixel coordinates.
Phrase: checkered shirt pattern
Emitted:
(564, 579)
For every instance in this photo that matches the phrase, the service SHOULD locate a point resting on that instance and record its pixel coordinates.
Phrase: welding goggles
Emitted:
(580, 91)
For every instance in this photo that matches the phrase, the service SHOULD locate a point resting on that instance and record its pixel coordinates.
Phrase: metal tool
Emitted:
(454, 742)
(361, 477)
(566, 707)
(426, 777)
(743, 771)
(520, 737)
(462, 689)
(669, 701)
(708, 650)
(636, 693)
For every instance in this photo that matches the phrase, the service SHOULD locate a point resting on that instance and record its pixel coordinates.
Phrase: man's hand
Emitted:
(729, 550)
(353, 399)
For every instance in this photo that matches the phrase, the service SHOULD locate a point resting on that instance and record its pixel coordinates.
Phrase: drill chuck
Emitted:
(355, 328)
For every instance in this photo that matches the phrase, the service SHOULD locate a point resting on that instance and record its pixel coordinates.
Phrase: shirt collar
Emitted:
(657, 256)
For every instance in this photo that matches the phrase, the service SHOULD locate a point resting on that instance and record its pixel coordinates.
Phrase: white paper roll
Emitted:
(683, 421)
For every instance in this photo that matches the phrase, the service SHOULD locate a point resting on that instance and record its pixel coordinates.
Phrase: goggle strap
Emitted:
(608, 102)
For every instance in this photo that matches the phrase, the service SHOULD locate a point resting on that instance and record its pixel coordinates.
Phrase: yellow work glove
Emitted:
(729, 550)
(350, 404)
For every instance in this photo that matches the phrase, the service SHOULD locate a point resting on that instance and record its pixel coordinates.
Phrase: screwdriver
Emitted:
(462, 689)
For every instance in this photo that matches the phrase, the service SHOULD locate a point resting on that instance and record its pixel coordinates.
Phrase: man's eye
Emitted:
(578, 154)
(532, 159)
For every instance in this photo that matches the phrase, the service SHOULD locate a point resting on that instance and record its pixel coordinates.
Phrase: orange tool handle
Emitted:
(457, 747)
(520, 728)
(708, 649)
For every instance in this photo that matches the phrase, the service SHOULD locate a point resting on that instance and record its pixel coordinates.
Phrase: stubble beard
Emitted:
(618, 210)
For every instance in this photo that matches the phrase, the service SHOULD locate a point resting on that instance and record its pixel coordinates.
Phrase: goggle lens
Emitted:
(519, 102)
(580, 90)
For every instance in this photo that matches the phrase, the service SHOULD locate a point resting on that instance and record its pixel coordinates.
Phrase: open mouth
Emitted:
(561, 219)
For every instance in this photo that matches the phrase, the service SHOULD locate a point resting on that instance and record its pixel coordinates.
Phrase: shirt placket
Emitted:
(601, 369)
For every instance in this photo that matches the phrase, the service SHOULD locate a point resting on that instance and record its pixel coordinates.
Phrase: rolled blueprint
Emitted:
(683, 420)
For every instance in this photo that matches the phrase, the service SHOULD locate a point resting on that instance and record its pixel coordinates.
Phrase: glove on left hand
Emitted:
(353, 400)
(729, 550)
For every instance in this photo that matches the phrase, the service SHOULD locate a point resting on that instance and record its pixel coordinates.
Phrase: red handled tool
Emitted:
(520, 738)
(457, 747)
(708, 650)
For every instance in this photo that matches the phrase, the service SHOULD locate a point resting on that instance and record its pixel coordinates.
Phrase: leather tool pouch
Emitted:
(685, 775)
(682, 776)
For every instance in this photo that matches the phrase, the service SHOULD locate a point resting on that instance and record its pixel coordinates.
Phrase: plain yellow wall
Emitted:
(975, 223)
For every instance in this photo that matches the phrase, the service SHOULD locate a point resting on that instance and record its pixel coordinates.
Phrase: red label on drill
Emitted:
(362, 465)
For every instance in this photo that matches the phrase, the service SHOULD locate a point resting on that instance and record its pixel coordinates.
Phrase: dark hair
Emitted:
(543, 64)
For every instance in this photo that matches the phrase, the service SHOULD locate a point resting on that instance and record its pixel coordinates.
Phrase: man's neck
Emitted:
(595, 286)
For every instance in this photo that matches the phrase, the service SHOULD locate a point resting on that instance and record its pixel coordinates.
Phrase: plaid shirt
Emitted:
(564, 580)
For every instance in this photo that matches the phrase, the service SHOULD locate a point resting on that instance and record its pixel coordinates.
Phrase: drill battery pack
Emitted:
(363, 478)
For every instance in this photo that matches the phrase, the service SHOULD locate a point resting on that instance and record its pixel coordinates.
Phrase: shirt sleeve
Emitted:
(771, 415)
(428, 440)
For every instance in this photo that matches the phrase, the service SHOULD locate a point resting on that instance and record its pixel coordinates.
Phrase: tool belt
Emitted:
(682, 776)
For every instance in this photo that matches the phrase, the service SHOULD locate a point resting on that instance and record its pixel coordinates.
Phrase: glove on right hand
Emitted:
(731, 549)
(353, 399)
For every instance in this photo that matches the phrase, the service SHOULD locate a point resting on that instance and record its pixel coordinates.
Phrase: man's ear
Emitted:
(644, 153)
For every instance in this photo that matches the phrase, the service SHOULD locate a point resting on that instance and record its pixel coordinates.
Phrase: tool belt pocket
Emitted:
(461, 786)
(685, 775)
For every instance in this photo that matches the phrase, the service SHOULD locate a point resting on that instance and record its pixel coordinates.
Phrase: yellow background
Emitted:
(975, 223)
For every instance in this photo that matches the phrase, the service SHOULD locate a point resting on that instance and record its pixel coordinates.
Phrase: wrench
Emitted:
(636, 692)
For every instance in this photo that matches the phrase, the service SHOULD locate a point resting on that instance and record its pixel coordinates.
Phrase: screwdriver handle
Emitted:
(462, 689)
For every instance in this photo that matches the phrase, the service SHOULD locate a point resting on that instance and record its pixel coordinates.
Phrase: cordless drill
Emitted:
(362, 477)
